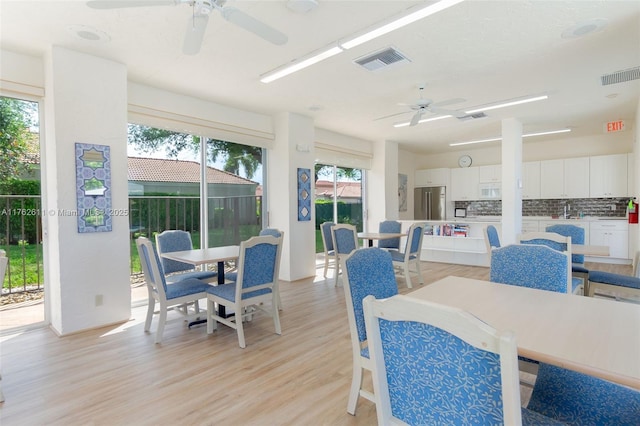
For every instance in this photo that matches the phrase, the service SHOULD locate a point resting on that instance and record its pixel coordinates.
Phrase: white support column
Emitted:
(293, 149)
(382, 185)
(511, 180)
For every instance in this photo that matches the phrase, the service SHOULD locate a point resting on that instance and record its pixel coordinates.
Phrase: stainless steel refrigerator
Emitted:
(430, 203)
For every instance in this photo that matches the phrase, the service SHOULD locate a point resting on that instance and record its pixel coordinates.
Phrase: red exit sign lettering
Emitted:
(614, 126)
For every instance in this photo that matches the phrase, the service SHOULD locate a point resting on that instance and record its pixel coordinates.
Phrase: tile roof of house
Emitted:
(344, 189)
(159, 170)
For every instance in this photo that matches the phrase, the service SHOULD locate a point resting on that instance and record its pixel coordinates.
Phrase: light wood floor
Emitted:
(117, 376)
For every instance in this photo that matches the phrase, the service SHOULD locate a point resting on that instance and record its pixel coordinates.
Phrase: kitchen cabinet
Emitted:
(464, 184)
(432, 177)
(567, 178)
(611, 233)
(529, 226)
(490, 174)
(531, 180)
(608, 176)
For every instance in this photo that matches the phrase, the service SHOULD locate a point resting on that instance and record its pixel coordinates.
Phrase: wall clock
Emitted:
(464, 161)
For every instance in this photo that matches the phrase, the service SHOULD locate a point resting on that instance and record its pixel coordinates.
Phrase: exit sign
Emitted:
(614, 126)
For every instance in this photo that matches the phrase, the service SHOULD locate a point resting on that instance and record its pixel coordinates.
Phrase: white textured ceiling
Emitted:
(481, 51)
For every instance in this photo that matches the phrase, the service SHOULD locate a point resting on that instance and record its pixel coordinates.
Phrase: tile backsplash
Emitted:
(588, 206)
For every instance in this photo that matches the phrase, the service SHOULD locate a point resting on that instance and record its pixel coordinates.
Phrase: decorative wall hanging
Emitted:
(402, 193)
(93, 187)
(304, 194)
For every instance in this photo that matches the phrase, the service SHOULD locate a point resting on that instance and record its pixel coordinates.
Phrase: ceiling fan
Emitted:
(423, 105)
(197, 23)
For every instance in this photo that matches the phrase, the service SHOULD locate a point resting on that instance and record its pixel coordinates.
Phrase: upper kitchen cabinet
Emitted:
(608, 176)
(568, 178)
(432, 177)
(490, 174)
(464, 184)
(531, 180)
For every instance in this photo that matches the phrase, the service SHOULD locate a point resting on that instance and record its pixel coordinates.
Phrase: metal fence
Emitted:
(230, 219)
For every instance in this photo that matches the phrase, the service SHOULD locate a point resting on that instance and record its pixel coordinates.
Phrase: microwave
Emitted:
(490, 191)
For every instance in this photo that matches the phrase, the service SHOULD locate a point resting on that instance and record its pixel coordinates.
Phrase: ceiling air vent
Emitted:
(381, 59)
(473, 116)
(621, 76)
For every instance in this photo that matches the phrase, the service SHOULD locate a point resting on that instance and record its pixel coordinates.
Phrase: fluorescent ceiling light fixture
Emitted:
(507, 104)
(400, 22)
(424, 120)
(550, 132)
(297, 66)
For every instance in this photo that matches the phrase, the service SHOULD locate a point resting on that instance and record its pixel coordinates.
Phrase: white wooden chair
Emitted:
(345, 240)
(330, 257)
(257, 284)
(435, 364)
(402, 261)
(169, 296)
(560, 243)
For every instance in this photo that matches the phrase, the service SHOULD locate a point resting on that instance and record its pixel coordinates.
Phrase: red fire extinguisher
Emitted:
(633, 211)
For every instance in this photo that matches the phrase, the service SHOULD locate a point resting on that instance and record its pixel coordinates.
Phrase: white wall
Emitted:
(86, 102)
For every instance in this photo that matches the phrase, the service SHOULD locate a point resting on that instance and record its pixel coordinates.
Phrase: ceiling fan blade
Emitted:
(118, 4)
(417, 116)
(392, 115)
(448, 102)
(262, 30)
(196, 27)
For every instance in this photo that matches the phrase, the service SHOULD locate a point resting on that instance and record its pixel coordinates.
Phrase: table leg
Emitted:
(370, 243)
(221, 309)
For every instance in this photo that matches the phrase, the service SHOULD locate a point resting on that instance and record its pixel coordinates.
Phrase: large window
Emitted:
(338, 197)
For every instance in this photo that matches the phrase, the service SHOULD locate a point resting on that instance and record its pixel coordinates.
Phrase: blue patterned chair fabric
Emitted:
(411, 254)
(578, 399)
(326, 236)
(436, 378)
(176, 240)
(533, 266)
(575, 282)
(614, 279)
(577, 237)
(270, 231)
(367, 271)
(390, 226)
(492, 234)
(344, 240)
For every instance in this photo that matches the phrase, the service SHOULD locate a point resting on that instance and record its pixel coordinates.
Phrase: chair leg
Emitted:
(211, 322)
(240, 328)
(407, 275)
(354, 393)
(326, 265)
(419, 272)
(150, 308)
(162, 319)
(276, 317)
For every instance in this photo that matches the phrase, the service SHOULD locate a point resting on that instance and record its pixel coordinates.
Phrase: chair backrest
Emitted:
(576, 233)
(491, 238)
(271, 231)
(345, 238)
(174, 240)
(552, 240)
(152, 268)
(258, 266)
(533, 266)
(390, 226)
(327, 238)
(414, 240)
(368, 271)
(434, 364)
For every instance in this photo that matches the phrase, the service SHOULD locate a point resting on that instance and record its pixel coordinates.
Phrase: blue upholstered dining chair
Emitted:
(368, 271)
(557, 242)
(618, 286)
(402, 261)
(577, 235)
(578, 399)
(169, 296)
(492, 237)
(255, 289)
(176, 240)
(329, 253)
(529, 265)
(438, 365)
(266, 231)
(345, 240)
(390, 226)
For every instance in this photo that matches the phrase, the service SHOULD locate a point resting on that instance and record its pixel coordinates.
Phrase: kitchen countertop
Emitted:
(497, 219)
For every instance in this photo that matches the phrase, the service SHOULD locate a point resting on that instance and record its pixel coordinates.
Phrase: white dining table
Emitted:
(590, 250)
(594, 336)
(206, 256)
(370, 236)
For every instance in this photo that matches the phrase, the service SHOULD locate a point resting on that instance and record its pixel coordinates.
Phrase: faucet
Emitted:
(566, 213)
